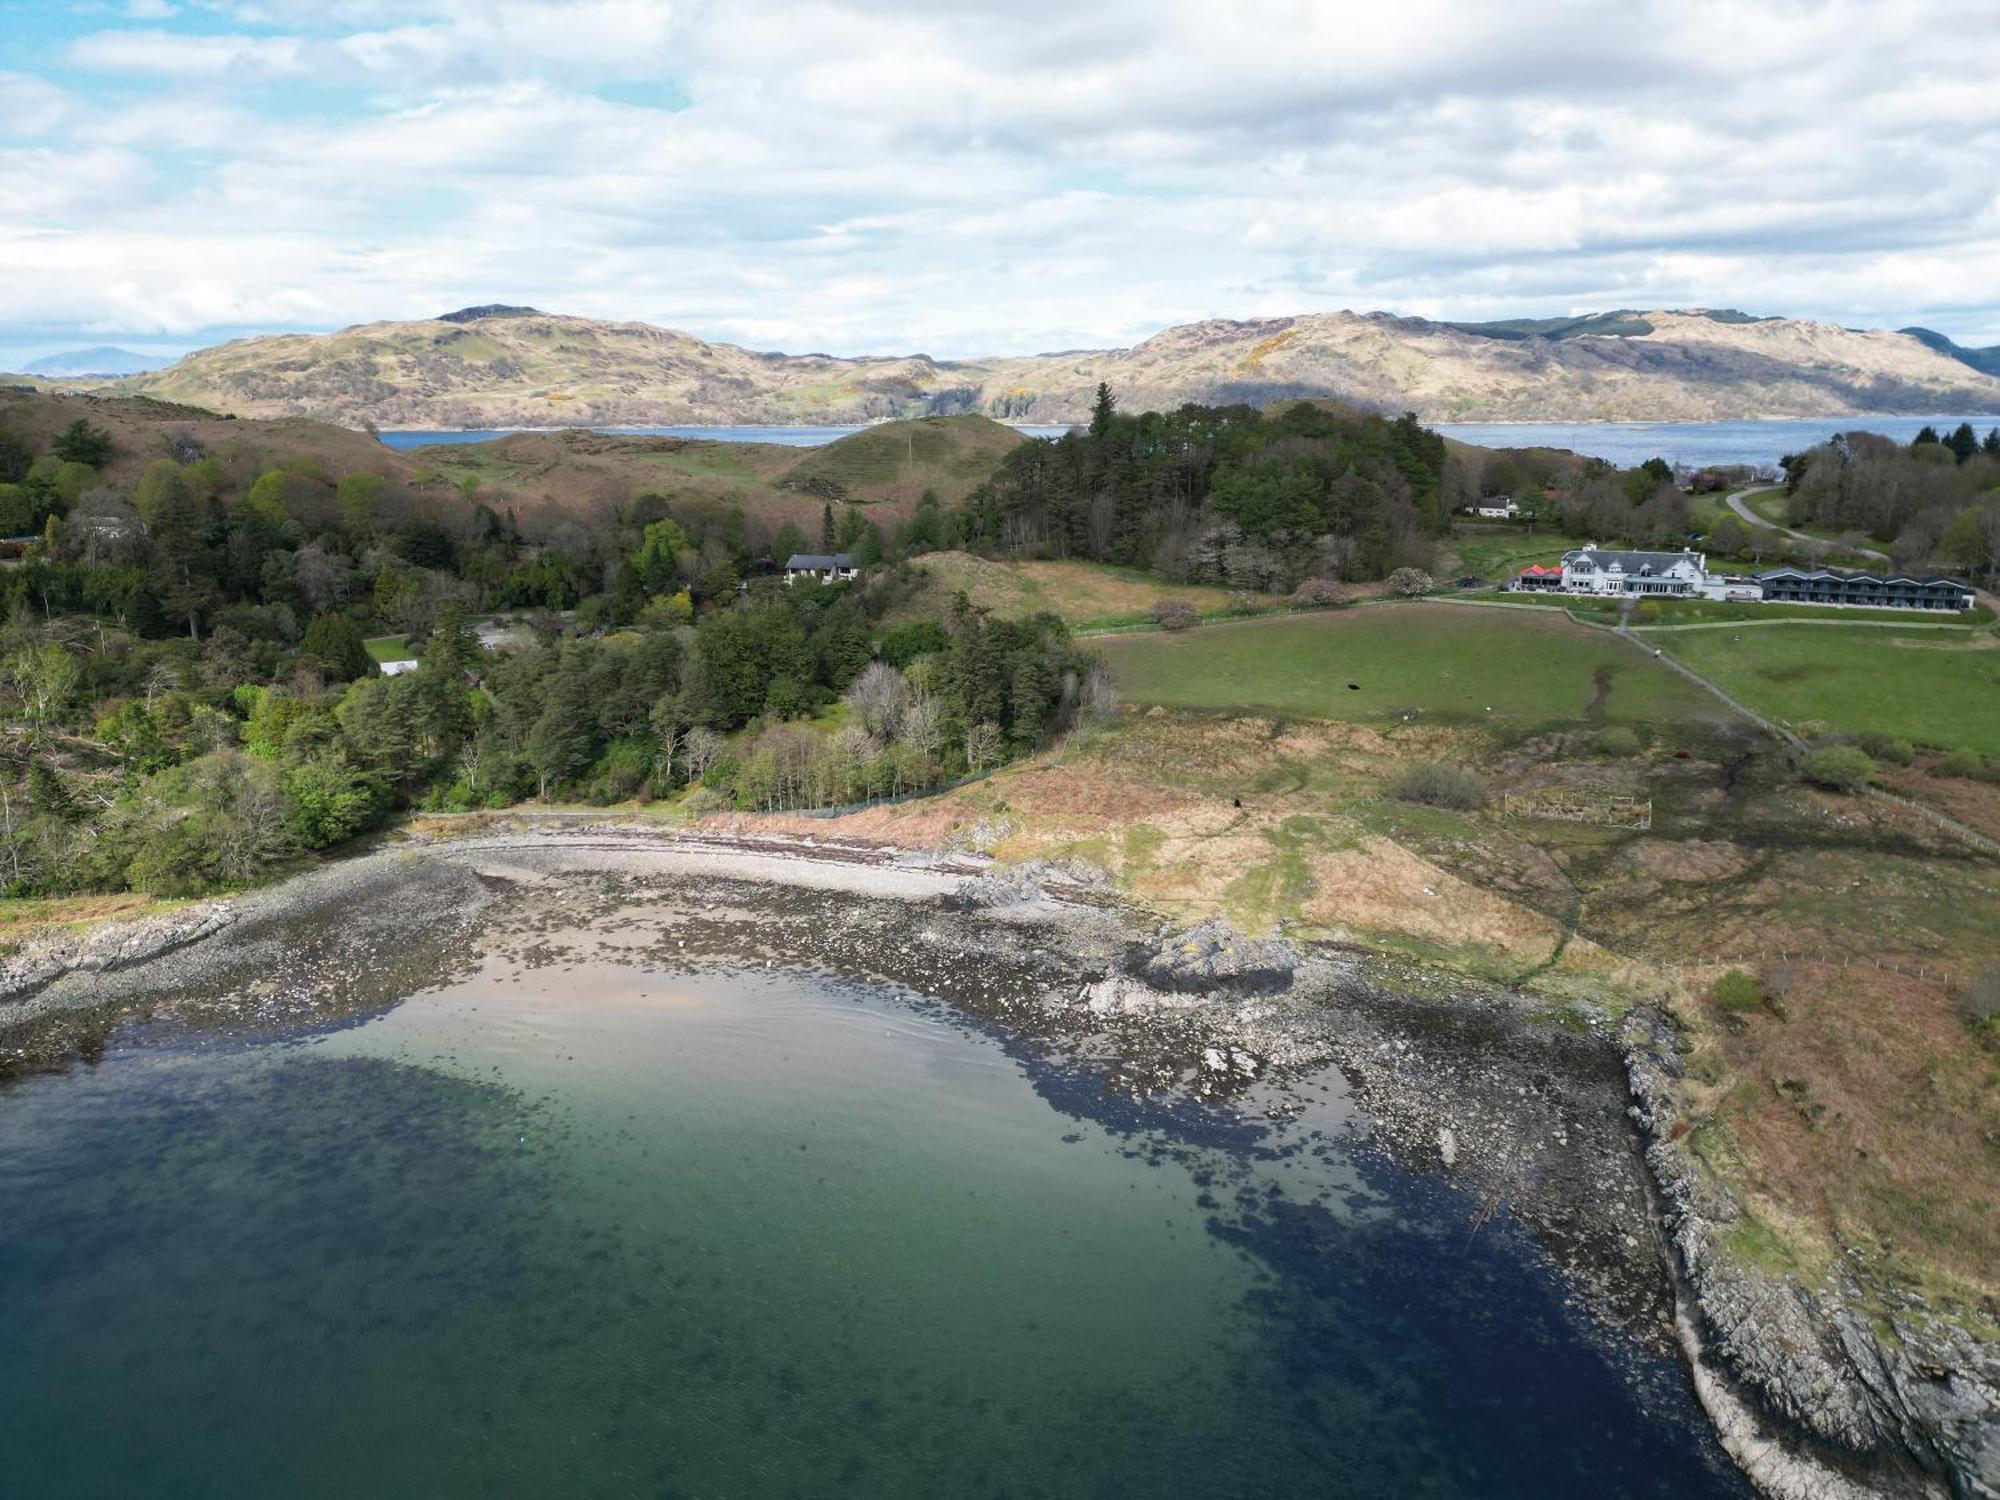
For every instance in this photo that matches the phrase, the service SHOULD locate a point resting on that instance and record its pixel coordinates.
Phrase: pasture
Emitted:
(1433, 662)
(1933, 686)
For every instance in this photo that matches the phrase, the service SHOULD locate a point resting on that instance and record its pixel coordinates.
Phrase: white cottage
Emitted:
(1604, 570)
(820, 568)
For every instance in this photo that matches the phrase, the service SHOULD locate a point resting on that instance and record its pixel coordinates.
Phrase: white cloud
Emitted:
(176, 55)
(1004, 176)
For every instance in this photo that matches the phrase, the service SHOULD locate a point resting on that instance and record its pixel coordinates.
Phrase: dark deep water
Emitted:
(613, 1232)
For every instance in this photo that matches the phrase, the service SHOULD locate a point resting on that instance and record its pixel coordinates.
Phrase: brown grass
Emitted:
(1867, 1112)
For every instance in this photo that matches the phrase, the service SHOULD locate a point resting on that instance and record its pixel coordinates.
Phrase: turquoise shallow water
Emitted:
(598, 1231)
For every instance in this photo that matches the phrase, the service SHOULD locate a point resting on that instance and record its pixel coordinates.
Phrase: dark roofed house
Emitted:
(817, 567)
(1870, 590)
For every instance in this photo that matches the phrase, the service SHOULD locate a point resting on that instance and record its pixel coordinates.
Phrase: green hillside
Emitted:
(900, 460)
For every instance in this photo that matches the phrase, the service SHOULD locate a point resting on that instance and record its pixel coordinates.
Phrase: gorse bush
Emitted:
(1839, 768)
(1738, 992)
(1436, 784)
(1958, 763)
(1885, 747)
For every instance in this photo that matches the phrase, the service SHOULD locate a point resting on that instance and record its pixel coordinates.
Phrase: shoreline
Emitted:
(1438, 1072)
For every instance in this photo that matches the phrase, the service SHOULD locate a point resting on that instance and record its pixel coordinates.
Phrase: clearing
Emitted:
(1086, 595)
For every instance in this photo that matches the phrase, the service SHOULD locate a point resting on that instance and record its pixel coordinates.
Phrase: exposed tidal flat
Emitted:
(601, 1164)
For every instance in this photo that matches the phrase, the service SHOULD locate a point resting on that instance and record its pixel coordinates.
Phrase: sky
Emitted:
(962, 177)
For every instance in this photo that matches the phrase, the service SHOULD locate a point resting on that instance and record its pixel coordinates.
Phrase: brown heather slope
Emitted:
(545, 474)
(519, 368)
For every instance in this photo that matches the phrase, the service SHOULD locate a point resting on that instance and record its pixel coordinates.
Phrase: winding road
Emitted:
(1736, 503)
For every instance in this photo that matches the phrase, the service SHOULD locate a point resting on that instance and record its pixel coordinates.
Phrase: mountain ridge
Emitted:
(497, 365)
(103, 360)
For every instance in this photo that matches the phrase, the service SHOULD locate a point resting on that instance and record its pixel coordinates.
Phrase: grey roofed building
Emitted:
(1626, 561)
(1817, 585)
(827, 568)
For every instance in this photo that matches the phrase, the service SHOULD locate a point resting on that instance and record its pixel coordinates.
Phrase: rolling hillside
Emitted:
(572, 472)
(515, 367)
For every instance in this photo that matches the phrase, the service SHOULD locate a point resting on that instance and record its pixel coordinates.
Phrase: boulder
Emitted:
(1212, 957)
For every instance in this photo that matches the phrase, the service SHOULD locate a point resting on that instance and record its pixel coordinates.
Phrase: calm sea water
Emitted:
(597, 1231)
(1695, 443)
(1622, 443)
(790, 437)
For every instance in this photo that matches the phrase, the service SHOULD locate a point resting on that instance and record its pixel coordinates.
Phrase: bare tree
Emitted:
(923, 729)
(878, 696)
(982, 745)
(700, 750)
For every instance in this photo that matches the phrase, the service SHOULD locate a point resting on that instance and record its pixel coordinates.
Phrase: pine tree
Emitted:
(1991, 446)
(48, 794)
(826, 527)
(1101, 412)
(1963, 442)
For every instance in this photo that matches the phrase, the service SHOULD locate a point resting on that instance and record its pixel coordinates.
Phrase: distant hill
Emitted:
(884, 470)
(1986, 361)
(103, 360)
(501, 366)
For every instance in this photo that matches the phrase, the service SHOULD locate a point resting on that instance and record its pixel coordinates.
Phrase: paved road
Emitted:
(1736, 503)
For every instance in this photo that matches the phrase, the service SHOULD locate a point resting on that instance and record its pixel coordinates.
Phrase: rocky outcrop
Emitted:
(1876, 1392)
(1213, 957)
(100, 950)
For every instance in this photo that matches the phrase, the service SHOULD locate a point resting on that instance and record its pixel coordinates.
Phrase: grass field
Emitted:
(1498, 552)
(1087, 595)
(1934, 687)
(1439, 662)
(389, 647)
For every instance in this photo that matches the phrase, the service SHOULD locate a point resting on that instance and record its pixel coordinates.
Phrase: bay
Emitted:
(600, 1227)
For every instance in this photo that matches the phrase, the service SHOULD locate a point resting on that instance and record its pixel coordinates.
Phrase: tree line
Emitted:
(190, 698)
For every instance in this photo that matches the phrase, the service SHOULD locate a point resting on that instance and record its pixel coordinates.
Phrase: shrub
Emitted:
(1888, 747)
(1173, 614)
(1618, 740)
(1839, 768)
(1737, 992)
(331, 803)
(1440, 785)
(1318, 593)
(1411, 582)
(1958, 763)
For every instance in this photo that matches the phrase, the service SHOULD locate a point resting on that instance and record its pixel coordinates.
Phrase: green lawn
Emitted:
(1468, 665)
(390, 648)
(1936, 687)
(1498, 551)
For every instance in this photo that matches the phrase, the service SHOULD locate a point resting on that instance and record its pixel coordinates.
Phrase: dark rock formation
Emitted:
(1881, 1386)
